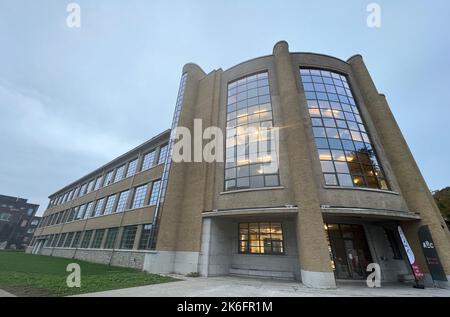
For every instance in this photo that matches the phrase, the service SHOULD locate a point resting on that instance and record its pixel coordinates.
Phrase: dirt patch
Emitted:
(27, 292)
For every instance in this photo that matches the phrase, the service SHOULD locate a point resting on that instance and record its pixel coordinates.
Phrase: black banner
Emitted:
(431, 256)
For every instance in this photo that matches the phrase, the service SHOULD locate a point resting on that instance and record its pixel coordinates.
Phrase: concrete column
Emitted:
(412, 184)
(312, 245)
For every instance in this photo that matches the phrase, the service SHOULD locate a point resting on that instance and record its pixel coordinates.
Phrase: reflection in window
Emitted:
(122, 202)
(163, 153)
(139, 196)
(154, 194)
(144, 241)
(261, 238)
(148, 160)
(129, 234)
(111, 238)
(346, 154)
(132, 167)
(119, 173)
(248, 151)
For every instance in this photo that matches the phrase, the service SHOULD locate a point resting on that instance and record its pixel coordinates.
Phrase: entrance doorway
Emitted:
(349, 250)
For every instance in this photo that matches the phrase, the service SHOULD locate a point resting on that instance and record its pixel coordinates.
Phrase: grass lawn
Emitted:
(38, 275)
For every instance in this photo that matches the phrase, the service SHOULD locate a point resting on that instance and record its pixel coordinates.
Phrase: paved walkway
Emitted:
(241, 287)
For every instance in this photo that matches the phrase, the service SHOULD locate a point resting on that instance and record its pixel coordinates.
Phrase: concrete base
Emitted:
(443, 284)
(180, 262)
(322, 280)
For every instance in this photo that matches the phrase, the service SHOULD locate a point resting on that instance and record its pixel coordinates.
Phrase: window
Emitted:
(148, 160)
(89, 210)
(108, 178)
(119, 173)
(122, 202)
(155, 191)
(132, 167)
(30, 211)
(98, 183)
(346, 152)
(48, 241)
(77, 191)
(111, 237)
(394, 243)
(30, 231)
(55, 240)
(144, 241)
(83, 189)
(68, 241)
(61, 240)
(163, 154)
(139, 196)
(261, 238)
(129, 233)
(98, 237)
(86, 239)
(76, 240)
(81, 211)
(4, 216)
(250, 152)
(99, 207)
(109, 204)
(91, 185)
(34, 222)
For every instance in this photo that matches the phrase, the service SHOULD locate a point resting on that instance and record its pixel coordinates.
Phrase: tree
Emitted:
(442, 198)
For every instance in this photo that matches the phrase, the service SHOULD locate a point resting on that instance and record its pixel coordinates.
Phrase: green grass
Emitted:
(37, 275)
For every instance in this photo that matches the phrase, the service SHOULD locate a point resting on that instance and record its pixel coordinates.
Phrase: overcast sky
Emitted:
(73, 99)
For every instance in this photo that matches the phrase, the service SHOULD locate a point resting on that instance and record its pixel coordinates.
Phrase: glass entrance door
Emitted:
(350, 251)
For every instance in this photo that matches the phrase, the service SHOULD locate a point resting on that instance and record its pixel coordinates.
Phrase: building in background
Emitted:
(17, 222)
(346, 181)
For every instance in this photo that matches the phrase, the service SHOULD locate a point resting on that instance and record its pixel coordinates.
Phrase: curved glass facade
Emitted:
(248, 145)
(346, 154)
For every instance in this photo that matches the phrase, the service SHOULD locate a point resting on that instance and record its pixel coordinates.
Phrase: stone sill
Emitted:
(363, 189)
(250, 190)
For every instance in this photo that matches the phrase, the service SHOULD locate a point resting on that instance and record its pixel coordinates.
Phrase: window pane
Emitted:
(331, 105)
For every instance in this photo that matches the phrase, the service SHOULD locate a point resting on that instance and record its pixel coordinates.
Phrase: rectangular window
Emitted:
(98, 183)
(109, 204)
(144, 241)
(89, 210)
(81, 211)
(148, 161)
(129, 234)
(49, 240)
(111, 238)
(99, 207)
(347, 156)
(61, 240)
(76, 240)
(108, 178)
(132, 167)
(139, 196)
(261, 238)
(163, 153)
(98, 237)
(251, 159)
(155, 191)
(83, 189)
(122, 202)
(69, 238)
(91, 185)
(86, 239)
(119, 173)
(77, 191)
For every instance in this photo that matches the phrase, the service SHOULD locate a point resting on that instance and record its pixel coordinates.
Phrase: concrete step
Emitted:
(282, 275)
